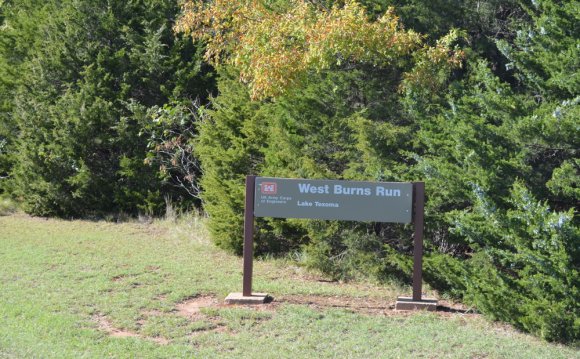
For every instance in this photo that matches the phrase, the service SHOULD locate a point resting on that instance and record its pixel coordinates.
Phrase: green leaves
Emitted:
(96, 96)
(276, 50)
(87, 73)
(527, 254)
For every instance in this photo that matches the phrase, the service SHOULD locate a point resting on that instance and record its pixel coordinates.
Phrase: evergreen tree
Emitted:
(84, 85)
(497, 147)
(335, 113)
(502, 168)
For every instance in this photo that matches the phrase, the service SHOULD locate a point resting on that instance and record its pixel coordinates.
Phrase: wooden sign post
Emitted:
(417, 301)
(395, 202)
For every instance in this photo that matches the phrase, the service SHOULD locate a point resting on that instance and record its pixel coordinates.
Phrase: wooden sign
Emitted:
(398, 202)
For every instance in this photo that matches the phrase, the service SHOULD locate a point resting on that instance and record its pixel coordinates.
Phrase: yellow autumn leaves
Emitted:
(275, 47)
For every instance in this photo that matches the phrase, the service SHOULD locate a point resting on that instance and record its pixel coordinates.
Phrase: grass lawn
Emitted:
(81, 289)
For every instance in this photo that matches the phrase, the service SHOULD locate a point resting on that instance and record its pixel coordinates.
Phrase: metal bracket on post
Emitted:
(247, 297)
(416, 301)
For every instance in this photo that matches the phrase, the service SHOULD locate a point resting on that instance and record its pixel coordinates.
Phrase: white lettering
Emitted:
(325, 204)
(352, 191)
(387, 192)
(308, 188)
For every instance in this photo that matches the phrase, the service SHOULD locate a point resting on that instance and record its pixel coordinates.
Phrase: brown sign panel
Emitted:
(333, 199)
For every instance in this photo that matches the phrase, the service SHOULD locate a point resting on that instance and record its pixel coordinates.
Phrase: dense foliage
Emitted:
(496, 143)
(103, 108)
(79, 79)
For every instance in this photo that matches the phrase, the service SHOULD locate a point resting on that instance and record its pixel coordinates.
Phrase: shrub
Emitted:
(7, 205)
(526, 269)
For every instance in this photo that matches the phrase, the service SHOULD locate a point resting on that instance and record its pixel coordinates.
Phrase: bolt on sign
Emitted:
(393, 202)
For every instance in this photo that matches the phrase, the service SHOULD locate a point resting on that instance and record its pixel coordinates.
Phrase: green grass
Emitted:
(62, 280)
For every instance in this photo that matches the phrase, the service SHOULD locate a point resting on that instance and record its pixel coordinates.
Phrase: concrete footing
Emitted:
(255, 298)
(407, 303)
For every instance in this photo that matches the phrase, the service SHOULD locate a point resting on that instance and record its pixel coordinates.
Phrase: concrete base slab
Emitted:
(407, 303)
(255, 298)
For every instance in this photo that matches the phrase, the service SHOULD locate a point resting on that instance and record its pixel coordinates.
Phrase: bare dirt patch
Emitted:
(105, 325)
(364, 305)
(191, 308)
(120, 277)
(359, 305)
(161, 297)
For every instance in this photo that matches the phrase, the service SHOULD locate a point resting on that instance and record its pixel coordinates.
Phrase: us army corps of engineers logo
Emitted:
(269, 188)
